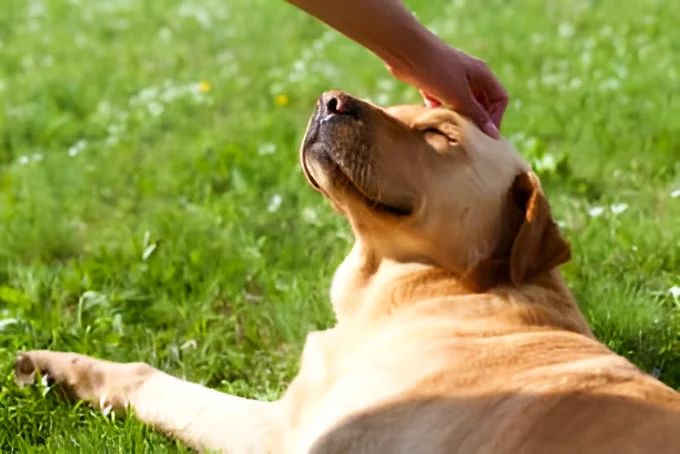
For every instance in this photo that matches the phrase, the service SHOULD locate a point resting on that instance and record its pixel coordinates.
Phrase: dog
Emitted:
(455, 333)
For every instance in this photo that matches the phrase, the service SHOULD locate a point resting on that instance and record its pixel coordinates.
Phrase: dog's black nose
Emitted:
(338, 103)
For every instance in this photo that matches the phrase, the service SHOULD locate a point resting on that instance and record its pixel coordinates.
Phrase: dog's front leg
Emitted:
(200, 417)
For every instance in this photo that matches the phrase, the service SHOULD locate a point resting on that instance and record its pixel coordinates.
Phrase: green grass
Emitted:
(141, 219)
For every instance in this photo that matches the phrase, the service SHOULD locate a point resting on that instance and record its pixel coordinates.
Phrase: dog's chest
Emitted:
(344, 373)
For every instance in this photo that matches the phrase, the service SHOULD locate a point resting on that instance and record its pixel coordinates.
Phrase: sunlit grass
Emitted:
(152, 208)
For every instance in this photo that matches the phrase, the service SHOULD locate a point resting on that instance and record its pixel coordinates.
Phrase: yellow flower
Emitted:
(204, 86)
(282, 100)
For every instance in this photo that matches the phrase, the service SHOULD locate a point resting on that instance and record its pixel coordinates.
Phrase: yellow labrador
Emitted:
(455, 334)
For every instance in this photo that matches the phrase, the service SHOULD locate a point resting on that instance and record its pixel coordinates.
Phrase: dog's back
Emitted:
(426, 380)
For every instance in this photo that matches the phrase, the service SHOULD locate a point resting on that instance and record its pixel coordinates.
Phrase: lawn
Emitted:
(152, 207)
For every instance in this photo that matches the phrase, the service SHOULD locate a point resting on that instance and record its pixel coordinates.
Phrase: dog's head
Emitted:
(425, 185)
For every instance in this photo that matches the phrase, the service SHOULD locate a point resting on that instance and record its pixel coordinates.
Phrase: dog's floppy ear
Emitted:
(539, 244)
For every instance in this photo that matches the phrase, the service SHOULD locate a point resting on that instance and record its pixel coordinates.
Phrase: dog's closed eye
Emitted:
(439, 128)
(441, 139)
(435, 132)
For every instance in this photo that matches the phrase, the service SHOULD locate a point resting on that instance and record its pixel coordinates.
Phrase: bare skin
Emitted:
(444, 75)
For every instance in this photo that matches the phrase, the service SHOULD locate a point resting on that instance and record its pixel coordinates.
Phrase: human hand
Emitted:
(414, 55)
(450, 77)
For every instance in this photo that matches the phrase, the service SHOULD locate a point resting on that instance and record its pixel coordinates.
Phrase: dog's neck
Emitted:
(369, 287)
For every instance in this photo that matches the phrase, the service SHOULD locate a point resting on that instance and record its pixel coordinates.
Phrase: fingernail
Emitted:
(430, 101)
(491, 130)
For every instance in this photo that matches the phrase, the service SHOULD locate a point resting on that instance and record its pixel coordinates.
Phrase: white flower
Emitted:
(7, 322)
(674, 291)
(147, 238)
(566, 30)
(190, 344)
(383, 99)
(77, 148)
(165, 34)
(621, 71)
(266, 149)
(155, 108)
(606, 31)
(111, 141)
(586, 58)
(27, 61)
(309, 215)
(200, 15)
(517, 138)
(23, 159)
(275, 203)
(299, 66)
(547, 162)
(104, 107)
(328, 37)
(225, 57)
(148, 251)
(36, 9)
(530, 144)
(610, 84)
(386, 84)
(80, 40)
(328, 71)
(618, 208)
(115, 129)
(640, 40)
(575, 83)
(318, 45)
(551, 79)
(596, 211)
(675, 193)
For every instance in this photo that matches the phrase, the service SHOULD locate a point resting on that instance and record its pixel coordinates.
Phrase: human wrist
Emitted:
(410, 51)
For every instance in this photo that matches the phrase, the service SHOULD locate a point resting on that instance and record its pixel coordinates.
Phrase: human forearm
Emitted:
(385, 27)
(443, 74)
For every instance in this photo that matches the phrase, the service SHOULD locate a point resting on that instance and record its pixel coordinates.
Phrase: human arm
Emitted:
(416, 56)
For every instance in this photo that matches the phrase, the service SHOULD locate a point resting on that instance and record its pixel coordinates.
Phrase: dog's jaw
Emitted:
(337, 157)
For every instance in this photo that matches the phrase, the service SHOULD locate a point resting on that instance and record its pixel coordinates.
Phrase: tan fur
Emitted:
(456, 332)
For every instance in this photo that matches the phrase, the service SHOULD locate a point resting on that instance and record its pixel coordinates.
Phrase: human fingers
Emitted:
(487, 90)
(471, 108)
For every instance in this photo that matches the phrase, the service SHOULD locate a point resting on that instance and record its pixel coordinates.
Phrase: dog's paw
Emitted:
(24, 371)
(102, 383)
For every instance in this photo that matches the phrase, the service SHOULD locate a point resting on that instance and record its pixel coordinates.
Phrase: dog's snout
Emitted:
(338, 103)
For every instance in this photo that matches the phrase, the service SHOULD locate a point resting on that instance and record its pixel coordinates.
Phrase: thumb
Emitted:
(430, 101)
(478, 115)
